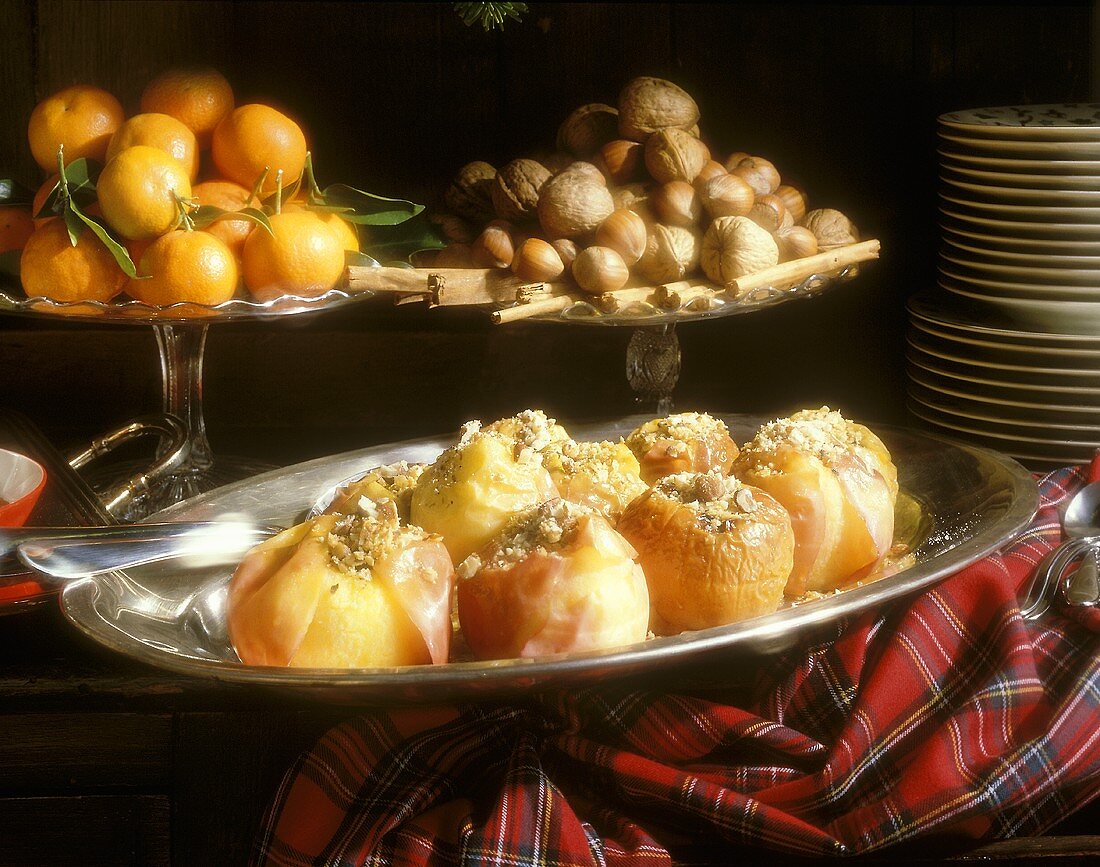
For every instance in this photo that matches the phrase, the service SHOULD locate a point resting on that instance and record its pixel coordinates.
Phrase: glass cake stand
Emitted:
(180, 331)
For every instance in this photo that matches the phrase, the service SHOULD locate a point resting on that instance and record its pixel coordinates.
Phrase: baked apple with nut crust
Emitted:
(714, 551)
(604, 476)
(556, 579)
(687, 442)
(393, 482)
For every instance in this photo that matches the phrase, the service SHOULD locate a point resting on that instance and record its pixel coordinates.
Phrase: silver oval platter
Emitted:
(959, 503)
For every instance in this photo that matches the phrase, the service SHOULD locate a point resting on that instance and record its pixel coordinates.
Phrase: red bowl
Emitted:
(21, 483)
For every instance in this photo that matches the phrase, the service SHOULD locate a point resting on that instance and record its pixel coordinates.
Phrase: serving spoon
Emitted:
(1081, 523)
(66, 553)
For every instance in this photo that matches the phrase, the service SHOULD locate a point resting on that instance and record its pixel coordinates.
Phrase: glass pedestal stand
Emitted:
(653, 367)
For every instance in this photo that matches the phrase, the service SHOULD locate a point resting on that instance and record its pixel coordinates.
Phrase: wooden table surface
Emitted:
(126, 764)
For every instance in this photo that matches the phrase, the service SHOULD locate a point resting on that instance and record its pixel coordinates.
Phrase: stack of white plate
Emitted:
(1006, 351)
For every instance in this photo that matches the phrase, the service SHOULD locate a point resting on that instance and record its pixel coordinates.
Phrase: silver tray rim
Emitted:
(415, 684)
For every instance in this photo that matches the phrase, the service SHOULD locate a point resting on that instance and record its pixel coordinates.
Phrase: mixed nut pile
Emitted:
(632, 195)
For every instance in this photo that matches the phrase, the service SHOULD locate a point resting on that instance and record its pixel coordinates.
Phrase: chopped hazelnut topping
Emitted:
(823, 433)
(531, 429)
(547, 527)
(719, 501)
(682, 428)
(357, 542)
(397, 480)
(610, 469)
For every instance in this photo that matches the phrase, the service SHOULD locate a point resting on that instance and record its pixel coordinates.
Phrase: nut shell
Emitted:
(625, 233)
(734, 247)
(470, 193)
(676, 204)
(794, 199)
(734, 160)
(494, 247)
(770, 214)
(453, 228)
(671, 254)
(648, 104)
(600, 269)
(795, 242)
(674, 155)
(567, 250)
(588, 129)
(589, 171)
(516, 189)
(622, 160)
(570, 205)
(831, 228)
(537, 260)
(727, 195)
(710, 169)
(455, 256)
(761, 175)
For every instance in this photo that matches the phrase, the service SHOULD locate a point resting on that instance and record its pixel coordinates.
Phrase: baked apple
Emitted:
(838, 483)
(604, 476)
(531, 428)
(713, 550)
(687, 442)
(470, 492)
(394, 482)
(344, 591)
(556, 579)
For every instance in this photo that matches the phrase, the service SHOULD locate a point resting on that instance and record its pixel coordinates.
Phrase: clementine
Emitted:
(51, 267)
(16, 226)
(159, 131)
(138, 189)
(345, 232)
(229, 197)
(198, 98)
(253, 138)
(300, 256)
(185, 266)
(82, 118)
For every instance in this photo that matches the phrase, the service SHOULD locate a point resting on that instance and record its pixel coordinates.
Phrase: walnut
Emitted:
(671, 253)
(674, 155)
(734, 247)
(588, 129)
(516, 189)
(628, 195)
(453, 228)
(571, 205)
(831, 228)
(470, 193)
(588, 170)
(649, 104)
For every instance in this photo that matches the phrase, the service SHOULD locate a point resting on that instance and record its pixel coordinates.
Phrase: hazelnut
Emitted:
(600, 269)
(621, 160)
(795, 242)
(676, 204)
(770, 214)
(674, 155)
(588, 129)
(454, 256)
(470, 193)
(453, 228)
(761, 175)
(537, 260)
(586, 170)
(516, 188)
(794, 199)
(734, 247)
(567, 250)
(625, 233)
(735, 159)
(671, 253)
(627, 196)
(727, 196)
(494, 247)
(831, 228)
(649, 104)
(571, 205)
(710, 169)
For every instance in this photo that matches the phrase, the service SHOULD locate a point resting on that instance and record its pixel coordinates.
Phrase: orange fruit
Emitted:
(302, 257)
(16, 226)
(158, 131)
(41, 196)
(185, 266)
(198, 98)
(51, 267)
(83, 118)
(229, 197)
(254, 137)
(344, 231)
(136, 192)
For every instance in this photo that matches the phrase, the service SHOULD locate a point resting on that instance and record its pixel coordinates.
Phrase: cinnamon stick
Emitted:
(791, 273)
(446, 286)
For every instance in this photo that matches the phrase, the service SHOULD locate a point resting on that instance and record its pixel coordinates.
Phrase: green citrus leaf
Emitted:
(9, 263)
(82, 173)
(122, 256)
(73, 223)
(204, 215)
(14, 193)
(288, 193)
(367, 209)
(387, 243)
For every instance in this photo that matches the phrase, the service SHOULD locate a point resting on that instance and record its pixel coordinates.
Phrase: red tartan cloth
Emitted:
(944, 716)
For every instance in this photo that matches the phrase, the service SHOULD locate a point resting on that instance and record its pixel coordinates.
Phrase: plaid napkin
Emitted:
(944, 716)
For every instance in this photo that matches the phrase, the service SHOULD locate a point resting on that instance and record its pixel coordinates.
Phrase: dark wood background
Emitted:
(394, 97)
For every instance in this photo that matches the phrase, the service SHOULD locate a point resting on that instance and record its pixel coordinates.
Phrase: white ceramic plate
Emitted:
(1049, 416)
(1056, 121)
(995, 290)
(962, 413)
(1003, 399)
(1024, 246)
(1020, 195)
(1027, 230)
(953, 157)
(965, 247)
(1081, 318)
(1002, 365)
(968, 430)
(979, 317)
(1010, 384)
(1035, 150)
(977, 342)
(1053, 183)
(1031, 213)
(1075, 280)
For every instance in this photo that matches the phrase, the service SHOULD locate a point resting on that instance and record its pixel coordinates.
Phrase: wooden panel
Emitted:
(107, 830)
(17, 96)
(50, 752)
